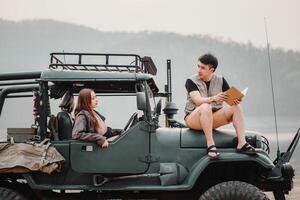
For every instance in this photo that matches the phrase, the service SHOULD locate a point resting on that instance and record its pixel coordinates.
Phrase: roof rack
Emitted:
(101, 62)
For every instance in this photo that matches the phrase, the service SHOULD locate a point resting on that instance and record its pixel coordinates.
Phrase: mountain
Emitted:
(25, 46)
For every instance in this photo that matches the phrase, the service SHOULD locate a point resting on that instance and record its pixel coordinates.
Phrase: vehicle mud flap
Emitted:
(169, 174)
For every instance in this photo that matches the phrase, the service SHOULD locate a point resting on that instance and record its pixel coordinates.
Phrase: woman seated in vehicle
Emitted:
(90, 125)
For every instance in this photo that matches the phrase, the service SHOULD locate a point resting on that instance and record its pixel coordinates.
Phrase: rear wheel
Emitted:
(234, 190)
(9, 194)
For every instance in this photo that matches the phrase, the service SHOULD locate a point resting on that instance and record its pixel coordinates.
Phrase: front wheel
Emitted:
(9, 194)
(234, 190)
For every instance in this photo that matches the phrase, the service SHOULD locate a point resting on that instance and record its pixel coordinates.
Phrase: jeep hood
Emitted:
(223, 138)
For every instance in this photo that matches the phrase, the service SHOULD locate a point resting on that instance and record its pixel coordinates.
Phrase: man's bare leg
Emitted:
(235, 113)
(202, 119)
(206, 121)
(202, 115)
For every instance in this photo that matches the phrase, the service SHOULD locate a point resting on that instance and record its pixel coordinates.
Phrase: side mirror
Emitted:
(141, 101)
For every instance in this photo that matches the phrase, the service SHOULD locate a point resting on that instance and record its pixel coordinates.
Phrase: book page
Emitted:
(244, 92)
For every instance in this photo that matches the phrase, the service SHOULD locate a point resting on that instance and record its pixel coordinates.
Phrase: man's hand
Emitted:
(105, 144)
(237, 101)
(220, 97)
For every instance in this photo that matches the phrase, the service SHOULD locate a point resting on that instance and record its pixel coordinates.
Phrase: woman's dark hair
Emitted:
(84, 102)
(209, 59)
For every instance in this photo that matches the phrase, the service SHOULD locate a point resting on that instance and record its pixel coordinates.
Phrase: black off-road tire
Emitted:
(8, 194)
(233, 190)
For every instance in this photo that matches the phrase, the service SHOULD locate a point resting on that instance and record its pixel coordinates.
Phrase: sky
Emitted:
(229, 20)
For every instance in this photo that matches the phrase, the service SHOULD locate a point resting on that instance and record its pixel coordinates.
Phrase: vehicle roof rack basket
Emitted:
(101, 62)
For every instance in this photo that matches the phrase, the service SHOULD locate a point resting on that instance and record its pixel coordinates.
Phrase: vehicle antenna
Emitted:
(169, 80)
(64, 56)
(273, 99)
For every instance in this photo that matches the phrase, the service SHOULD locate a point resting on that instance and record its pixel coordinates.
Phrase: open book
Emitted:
(233, 93)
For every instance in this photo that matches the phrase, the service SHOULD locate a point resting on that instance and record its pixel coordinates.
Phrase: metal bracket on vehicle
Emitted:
(99, 180)
(148, 128)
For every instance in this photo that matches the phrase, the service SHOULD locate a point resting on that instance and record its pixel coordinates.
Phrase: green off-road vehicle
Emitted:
(150, 159)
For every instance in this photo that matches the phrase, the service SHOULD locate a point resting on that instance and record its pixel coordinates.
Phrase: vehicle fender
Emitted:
(261, 159)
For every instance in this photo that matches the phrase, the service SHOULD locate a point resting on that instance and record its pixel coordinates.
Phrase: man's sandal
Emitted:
(212, 149)
(247, 149)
